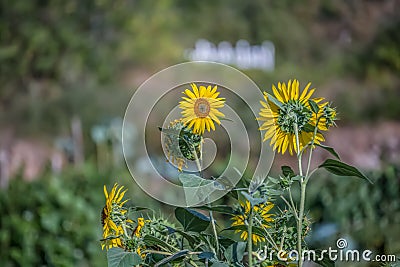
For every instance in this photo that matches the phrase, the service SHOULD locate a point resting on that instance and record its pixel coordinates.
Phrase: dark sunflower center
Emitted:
(291, 113)
(202, 108)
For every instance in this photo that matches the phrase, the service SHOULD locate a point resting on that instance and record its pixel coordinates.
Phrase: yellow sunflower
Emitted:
(260, 212)
(200, 108)
(280, 114)
(112, 215)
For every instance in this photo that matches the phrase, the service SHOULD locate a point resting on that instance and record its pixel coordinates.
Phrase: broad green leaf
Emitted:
(325, 262)
(330, 150)
(219, 208)
(192, 220)
(117, 257)
(314, 106)
(188, 236)
(235, 252)
(196, 188)
(342, 169)
(172, 257)
(225, 241)
(287, 171)
(154, 241)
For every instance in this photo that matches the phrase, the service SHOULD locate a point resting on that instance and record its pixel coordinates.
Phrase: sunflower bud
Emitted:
(329, 114)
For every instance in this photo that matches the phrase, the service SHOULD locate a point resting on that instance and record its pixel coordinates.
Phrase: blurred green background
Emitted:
(69, 68)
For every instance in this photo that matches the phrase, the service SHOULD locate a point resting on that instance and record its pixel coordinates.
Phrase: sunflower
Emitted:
(112, 217)
(280, 114)
(181, 143)
(200, 108)
(260, 212)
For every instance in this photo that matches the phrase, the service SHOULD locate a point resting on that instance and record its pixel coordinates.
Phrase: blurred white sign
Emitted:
(243, 55)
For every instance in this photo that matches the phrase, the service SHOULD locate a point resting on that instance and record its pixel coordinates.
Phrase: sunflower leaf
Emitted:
(342, 169)
(235, 252)
(190, 237)
(274, 100)
(196, 188)
(192, 220)
(117, 257)
(330, 150)
(314, 106)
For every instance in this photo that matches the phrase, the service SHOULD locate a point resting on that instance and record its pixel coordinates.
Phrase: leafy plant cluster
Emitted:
(52, 221)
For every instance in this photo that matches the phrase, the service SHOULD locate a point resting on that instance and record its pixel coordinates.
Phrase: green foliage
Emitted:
(52, 221)
(192, 220)
(330, 150)
(370, 214)
(342, 169)
(117, 257)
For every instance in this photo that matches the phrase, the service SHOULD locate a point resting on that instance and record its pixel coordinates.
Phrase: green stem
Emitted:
(299, 153)
(311, 150)
(214, 228)
(292, 202)
(300, 221)
(249, 238)
(302, 198)
(270, 240)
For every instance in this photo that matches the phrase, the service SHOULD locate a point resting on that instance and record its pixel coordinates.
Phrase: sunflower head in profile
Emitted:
(181, 144)
(287, 111)
(261, 218)
(200, 108)
(113, 216)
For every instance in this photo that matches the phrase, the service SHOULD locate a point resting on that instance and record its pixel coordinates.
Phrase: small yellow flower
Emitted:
(140, 224)
(260, 212)
(111, 216)
(200, 108)
(279, 118)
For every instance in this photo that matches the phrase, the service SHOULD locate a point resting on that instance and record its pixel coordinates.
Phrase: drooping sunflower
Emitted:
(200, 108)
(112, 216)
(260, 214)
(181, 143)
(288, 108)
